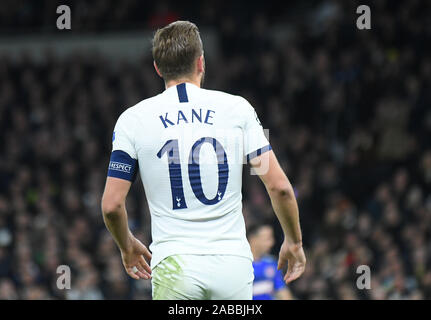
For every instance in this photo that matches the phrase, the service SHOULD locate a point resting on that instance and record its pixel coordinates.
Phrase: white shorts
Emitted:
(203, 277)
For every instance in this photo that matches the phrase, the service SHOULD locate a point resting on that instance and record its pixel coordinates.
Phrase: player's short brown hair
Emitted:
(175, 49)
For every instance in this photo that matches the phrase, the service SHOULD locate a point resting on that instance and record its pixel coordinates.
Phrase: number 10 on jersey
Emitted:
(175, 175)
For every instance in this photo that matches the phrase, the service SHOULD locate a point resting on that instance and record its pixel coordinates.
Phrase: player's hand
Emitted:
(293, 255)
(135, 260)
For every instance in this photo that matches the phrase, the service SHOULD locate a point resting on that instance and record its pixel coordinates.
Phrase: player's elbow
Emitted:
(282, 189)
(111, 207)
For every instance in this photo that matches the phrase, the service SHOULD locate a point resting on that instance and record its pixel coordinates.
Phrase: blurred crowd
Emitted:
(112, 15)
(349, 117)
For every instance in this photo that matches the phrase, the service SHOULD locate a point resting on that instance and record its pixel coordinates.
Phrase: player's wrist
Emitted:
(129, 245)
(293, 243)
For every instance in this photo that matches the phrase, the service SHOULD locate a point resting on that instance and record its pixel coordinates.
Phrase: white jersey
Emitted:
(190, 145)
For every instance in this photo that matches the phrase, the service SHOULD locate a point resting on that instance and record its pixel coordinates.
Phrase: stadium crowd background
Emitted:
(349, 117)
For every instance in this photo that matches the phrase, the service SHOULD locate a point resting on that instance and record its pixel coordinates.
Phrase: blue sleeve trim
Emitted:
(258, 152)
(122, 166)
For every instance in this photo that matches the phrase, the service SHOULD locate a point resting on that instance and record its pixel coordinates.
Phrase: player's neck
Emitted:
(172, 83)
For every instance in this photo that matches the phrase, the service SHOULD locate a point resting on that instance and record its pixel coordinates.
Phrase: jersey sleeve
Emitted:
(123, 163)
(255, 141)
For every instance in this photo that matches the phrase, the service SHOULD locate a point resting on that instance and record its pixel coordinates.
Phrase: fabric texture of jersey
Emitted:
(191, 144)
(267, 279)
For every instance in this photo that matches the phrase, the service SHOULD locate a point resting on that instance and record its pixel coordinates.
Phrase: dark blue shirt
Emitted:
(267, 279)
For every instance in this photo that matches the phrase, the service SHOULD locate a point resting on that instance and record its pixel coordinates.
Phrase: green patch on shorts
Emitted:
(166, 276)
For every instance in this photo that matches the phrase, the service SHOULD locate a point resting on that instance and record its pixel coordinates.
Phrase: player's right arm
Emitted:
(286, 209)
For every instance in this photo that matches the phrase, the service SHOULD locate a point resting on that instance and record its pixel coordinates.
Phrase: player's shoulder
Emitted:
(238, 105)
(225, 96)
(145, 104)
(132, 112)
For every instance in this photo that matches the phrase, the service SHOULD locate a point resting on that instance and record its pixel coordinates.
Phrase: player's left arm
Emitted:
(115, 218)
(282, 292)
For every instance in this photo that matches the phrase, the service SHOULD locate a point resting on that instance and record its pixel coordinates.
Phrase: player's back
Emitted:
(190, 144)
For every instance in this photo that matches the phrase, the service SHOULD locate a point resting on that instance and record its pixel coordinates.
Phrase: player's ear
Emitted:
(157, 69)
(201, 64)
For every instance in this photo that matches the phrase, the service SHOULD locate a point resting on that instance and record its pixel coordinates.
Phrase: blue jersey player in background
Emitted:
(268, 281)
